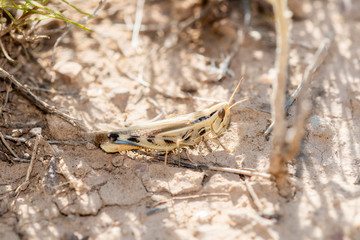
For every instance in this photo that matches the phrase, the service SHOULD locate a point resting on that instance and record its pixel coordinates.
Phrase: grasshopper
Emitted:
(173, 133)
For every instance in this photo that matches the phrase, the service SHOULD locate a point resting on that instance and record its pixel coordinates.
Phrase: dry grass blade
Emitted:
(137, 25)
(287, 142)
(319, 57)
(278, 160)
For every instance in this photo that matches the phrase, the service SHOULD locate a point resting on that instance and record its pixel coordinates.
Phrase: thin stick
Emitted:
(12, 159)
(253, 195)
(35, 99)
(207, 167)
(7, 145)
(310, 70)
(193, 197)
(15, 139)
(5, 52)
(60, 142)
(33, 156)
(25, 184)
(8, 86)
(54, 91)
(137, 25)
(239, 171)
(68, 142)
(75, 183)
(202, 196)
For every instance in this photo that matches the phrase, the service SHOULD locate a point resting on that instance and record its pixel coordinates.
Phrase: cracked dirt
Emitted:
(129, 195)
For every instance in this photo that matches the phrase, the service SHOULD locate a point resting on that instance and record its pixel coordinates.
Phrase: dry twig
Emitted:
(193, 197)
(253, 195)
(247, 172)
(287, 142)
(4, 156)
(5, 52)
(7, 146)
(35, 99)
(277, 164)
(25, 184)
(75, 183)
(310, 70)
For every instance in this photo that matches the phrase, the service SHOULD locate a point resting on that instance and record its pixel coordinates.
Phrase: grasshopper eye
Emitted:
(221, 113)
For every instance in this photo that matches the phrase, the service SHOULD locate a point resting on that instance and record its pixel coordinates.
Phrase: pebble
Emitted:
(35, 131)
(17, 132)
(68, 70)
(119, 97)
(118, 161)
(319, 126)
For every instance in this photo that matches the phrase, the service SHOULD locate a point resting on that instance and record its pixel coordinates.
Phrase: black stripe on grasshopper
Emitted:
(204, 118)
(202, 131)
(187, 135)
(167, 141)
(133, 139)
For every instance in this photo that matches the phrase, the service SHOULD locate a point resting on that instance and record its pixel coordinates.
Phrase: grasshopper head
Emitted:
(221, 119)
(222, 116)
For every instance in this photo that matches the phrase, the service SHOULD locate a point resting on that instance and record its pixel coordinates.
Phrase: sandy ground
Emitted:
(130, 196)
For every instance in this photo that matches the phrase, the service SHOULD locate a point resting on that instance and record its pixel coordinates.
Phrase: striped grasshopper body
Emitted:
(170, 134)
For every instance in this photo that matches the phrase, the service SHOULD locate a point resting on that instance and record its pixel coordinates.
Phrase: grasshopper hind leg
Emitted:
(166, 155)
(222, 145)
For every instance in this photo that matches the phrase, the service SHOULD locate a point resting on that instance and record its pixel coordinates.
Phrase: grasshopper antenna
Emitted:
(236, 89)
(238, 102)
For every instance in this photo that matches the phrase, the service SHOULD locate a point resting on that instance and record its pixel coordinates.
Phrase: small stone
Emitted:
(17, 132)
(203, 217)
(90, 146)
(299, 8)
(258, 55)
(86, 204)
(68, 70)
(319, 126)
(119, 97)
(35, 132)
(118, 161)
(256, 35)
(60, 129)
(26, 156)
